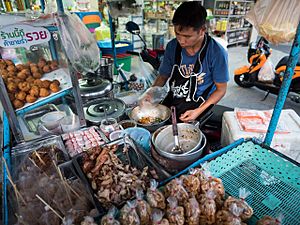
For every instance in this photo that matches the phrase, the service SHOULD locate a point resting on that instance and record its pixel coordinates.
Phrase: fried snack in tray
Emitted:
(231, 217)
(268, 220)
(191, 182)
(155, 197)
(128, 214)
(157, 217)
(88, 221)
(192, 211)
(109, 218)
(208, 207)
(113, 181)
(176, 189)
(241, 203)
(143, 208)
(175, 213)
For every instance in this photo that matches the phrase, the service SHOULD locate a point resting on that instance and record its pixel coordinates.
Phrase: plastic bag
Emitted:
(266, 73)
(157, 218)
(175, 213)
(153, 95)
(275, 20)
(142, 207)
(191, 182)
(109, 219)
(268, 220)
(208, 208)
(176, 189)
(192, 211)
(155, 198)
(231, 217)
(80, 46)
(128, 214)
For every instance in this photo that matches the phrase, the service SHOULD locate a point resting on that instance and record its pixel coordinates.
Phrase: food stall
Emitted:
(74, 174)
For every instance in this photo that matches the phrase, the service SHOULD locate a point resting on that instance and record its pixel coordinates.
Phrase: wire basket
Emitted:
(274, 181)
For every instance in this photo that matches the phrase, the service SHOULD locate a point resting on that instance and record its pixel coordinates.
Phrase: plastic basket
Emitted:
(106, 47)
(274, 181)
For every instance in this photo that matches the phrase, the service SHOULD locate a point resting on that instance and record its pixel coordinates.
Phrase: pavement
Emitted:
(251, 98)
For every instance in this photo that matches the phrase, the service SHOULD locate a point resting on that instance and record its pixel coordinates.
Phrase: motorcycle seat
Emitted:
(283, 62)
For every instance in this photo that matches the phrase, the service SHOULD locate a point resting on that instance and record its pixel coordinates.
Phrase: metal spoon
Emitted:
(177, 148)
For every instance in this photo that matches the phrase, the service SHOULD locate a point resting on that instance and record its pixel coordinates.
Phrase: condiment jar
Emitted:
(109, 125)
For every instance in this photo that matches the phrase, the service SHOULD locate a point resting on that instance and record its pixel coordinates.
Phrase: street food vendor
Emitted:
(194, 65)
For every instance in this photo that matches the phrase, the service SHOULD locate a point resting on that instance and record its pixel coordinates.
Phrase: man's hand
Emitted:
(190, 115)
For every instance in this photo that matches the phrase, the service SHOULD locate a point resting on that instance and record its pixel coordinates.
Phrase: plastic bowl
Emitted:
(52, 120)
(141, 136)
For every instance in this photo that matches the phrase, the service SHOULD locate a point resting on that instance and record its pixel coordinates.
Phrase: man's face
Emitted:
(188, 37)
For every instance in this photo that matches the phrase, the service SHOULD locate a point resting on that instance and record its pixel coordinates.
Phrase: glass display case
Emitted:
(35, 80)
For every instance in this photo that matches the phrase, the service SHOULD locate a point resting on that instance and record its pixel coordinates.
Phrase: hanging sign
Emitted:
(21, 35)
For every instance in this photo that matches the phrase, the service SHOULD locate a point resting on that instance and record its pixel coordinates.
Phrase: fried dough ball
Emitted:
(37, 75)
(30, 98)
(46, 84)
(11, 74)
(11, 68)
(53, 65)
(10, 79)
(56, 82)
(9, 62)
(54, 87)
(20, 67)
(46, 69)
(21, 75)
(11, 96)
(3, 72)
(18, 104)
(44, 92)
(38, 83)
(41, 64)
(24, 86)
(2, 64)
(32, 65)
(12, 87)
(5, 76)
(17, 80)
(26, 71)
(30, 80)
(34, 91)
(20, 95)
(34, 69)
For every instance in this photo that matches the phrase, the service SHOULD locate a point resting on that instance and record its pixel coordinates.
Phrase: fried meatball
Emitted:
(46, 84)
(20, 95)
(21, 75)
(34, 69)
(38, 83)
(24, 86)
(30, 80)
(9, 62)
(4, 72)
(54, 87)
(54, 65)
(20, 67)
(32, 65)
(26, 71)
(10, 79)
(37, 75)
(2, 64)
(34, 91)
(11, 68)
(44, 92)
(12, 87)
(11, 74)
(4, 76)
(56, 82)
(17, 80)
(18, 103)
(30, 98)
(41, 64)
(46, 69)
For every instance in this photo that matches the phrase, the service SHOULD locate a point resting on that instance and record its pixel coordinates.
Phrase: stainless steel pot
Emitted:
(191, 140)
(157, 111)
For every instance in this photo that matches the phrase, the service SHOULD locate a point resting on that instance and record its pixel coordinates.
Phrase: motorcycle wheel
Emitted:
(243, 80)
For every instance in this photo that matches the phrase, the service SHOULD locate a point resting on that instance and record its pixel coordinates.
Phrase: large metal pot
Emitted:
(158, 111)
(190, 139)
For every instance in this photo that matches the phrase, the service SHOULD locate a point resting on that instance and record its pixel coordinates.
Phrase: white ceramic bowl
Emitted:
(52, 120)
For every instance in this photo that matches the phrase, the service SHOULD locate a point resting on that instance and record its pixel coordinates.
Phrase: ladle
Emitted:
(177, 148)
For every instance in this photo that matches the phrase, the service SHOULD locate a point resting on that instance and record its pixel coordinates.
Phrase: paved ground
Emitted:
(251, 98)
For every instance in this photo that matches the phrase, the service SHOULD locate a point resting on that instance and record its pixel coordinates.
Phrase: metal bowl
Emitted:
(191, 139)
(157, 111)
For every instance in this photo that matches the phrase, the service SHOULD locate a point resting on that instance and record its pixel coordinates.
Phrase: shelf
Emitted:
(238, 29)
(235, 1)
(239, 41)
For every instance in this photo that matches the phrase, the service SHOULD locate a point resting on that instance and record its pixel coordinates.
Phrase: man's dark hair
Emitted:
(190, 14)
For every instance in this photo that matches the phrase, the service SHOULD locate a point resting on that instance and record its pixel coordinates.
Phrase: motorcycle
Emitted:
(248, 76)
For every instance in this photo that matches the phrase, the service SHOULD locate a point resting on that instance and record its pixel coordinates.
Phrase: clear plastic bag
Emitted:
(208, 208)
(266, 73)
(176, 189)
(157, 218)
(192, 211)
(128, 214)
(191, 182)
(109, 219)
(155, 198)
(142, 207)
(153, 95)
(175, 213)
(275, 20)
(80, 46)
(268, 220)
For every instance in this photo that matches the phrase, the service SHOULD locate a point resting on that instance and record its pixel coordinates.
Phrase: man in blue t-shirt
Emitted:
(194, 65)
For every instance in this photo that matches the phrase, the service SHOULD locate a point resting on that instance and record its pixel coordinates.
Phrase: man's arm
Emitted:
(214, 98)
(160, 81)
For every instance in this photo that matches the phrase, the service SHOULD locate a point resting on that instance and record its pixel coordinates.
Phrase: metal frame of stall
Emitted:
(293, 58)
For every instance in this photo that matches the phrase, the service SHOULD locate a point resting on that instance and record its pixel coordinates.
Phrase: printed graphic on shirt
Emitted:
(180, 91)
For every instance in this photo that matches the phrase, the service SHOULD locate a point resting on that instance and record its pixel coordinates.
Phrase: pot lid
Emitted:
(94, 110)
(94, 87)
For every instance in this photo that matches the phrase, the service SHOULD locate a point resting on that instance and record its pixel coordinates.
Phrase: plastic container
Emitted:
(121, 46)
(122, 59)
(52, 120)
(286, 143)
(141, 136)
(102, 33)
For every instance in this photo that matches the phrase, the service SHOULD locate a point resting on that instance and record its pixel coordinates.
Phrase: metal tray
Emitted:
(100, 133)
(32, 118)
(136, 158)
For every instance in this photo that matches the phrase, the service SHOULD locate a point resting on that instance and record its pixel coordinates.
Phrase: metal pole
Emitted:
(60, 7)
(287, 79)
(42, 5)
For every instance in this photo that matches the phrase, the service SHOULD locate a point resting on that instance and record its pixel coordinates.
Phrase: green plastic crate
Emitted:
(126, 61)
(274, 181)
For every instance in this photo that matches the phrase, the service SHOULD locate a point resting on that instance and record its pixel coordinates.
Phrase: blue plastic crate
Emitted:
(106, 47)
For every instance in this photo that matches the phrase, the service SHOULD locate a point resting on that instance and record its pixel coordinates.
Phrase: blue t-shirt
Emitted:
(214, 65)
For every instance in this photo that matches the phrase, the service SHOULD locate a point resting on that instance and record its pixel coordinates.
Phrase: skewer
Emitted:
(43, 201)
(39, 157)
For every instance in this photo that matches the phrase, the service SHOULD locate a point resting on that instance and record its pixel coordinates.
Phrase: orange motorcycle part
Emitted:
(241, 70)
(262, 59)
(283, 68)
